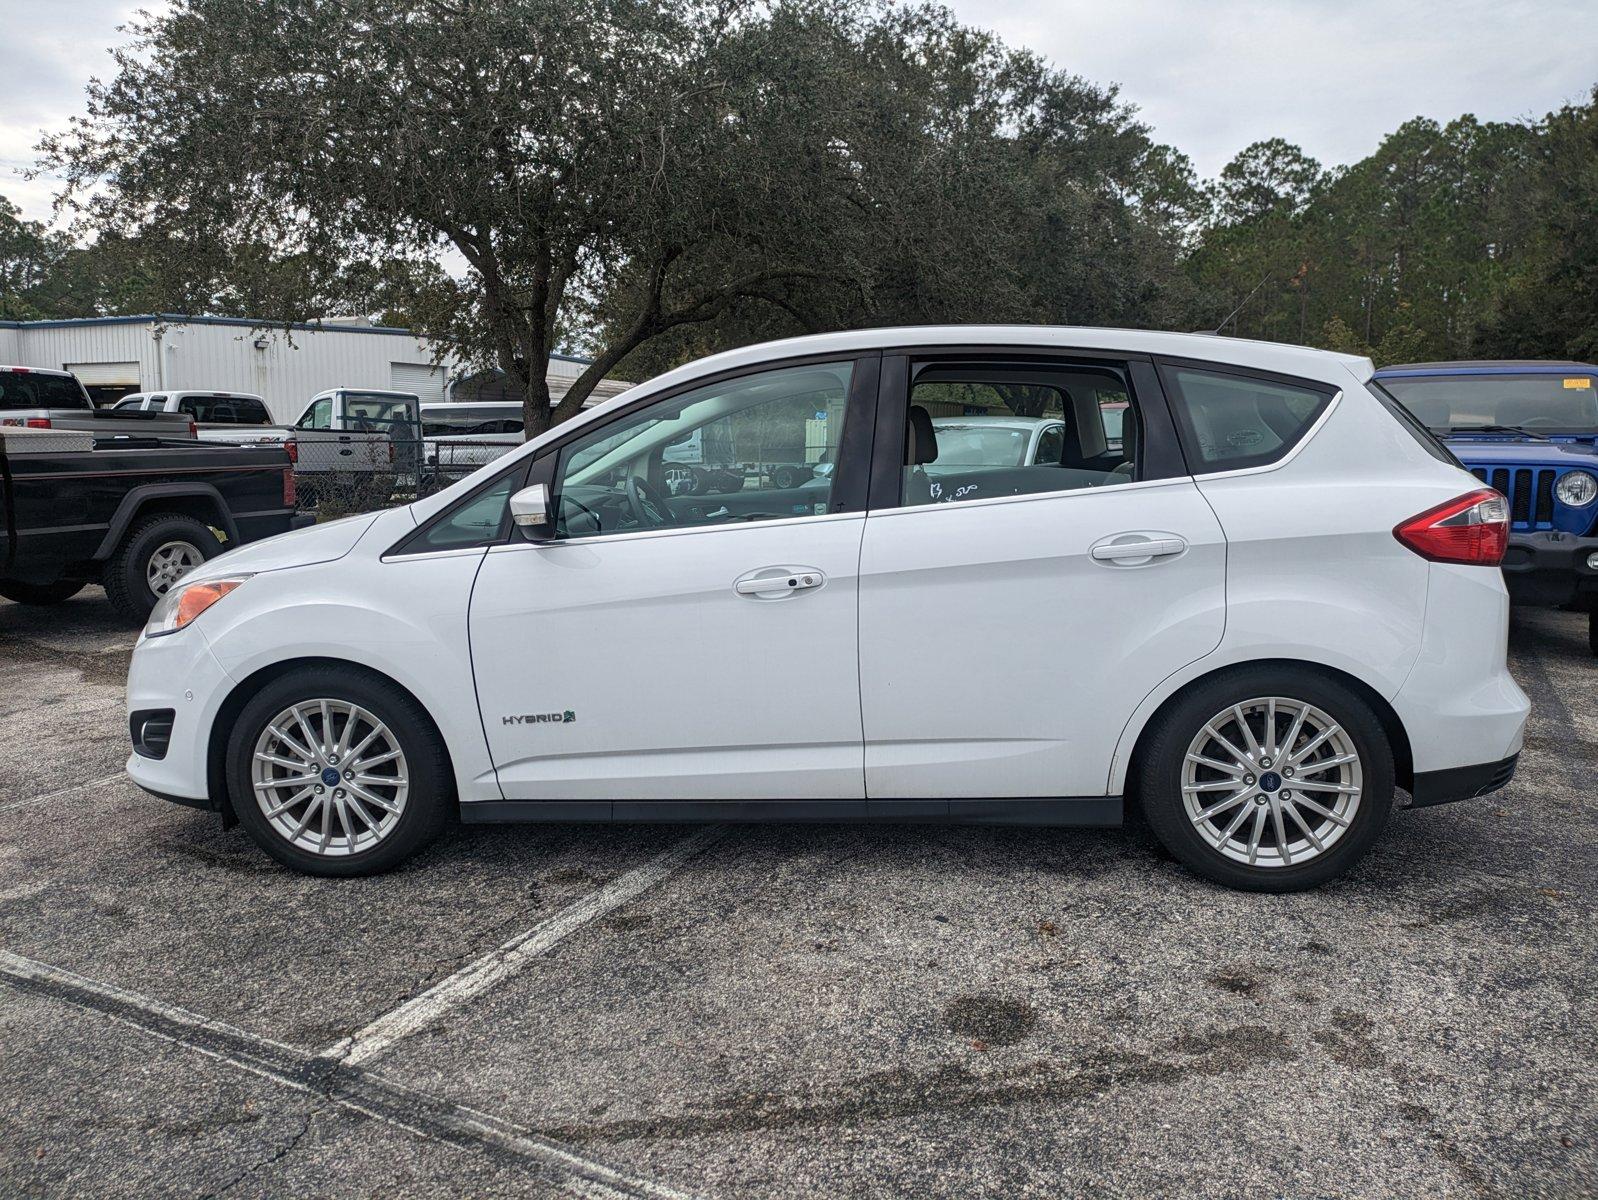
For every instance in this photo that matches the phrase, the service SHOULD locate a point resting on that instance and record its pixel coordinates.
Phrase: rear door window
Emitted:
(983, 429)
(1231, 421)
(225, 410)
(27, 389)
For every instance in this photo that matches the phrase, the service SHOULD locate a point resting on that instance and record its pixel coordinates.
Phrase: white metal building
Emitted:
(117, 355)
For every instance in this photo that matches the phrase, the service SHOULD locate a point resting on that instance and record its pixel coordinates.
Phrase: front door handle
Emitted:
(1132, 549)
(771, 583)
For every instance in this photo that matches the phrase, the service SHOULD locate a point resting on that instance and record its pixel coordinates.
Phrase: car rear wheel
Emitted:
(337, 772)
(155, 554)
(1270, 780)
(41, 593)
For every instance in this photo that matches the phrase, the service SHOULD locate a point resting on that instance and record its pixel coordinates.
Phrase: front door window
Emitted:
(756, 448)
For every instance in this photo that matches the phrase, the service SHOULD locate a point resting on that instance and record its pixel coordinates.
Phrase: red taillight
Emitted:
(293, 449)
(289, 496)
(194, 429)
(1472, 529)
(38, 422)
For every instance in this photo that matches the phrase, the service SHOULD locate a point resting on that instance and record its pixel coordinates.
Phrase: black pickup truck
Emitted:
(133, 514)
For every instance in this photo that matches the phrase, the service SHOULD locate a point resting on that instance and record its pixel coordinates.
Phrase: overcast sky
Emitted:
(1210, 76)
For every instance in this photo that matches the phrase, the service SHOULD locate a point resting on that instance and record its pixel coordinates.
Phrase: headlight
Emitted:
(1577, 489)
(185, 601)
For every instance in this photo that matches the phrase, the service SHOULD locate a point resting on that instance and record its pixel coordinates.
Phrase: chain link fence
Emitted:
(339, 474)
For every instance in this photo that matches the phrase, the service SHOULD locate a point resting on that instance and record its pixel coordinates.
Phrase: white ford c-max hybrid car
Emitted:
(1272, 602)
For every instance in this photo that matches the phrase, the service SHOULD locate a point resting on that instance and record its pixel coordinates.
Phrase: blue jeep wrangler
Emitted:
(1529, 429)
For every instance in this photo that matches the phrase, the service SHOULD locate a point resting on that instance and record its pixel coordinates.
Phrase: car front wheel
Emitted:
(1270, 780)
(337, 772)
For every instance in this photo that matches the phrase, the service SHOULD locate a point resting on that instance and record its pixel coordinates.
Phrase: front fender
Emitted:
(408, 623)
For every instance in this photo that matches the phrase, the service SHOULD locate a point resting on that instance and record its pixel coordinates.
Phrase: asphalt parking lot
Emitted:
(782, 1011)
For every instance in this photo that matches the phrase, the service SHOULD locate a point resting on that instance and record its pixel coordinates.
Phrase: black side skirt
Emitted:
(1076, 810)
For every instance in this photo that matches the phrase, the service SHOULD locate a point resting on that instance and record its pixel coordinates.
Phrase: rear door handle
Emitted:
(770, 583)
(1133, 548)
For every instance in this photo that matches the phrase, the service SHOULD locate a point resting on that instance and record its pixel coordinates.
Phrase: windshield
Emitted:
(25, 389)
(980, 446)
(1567, 403)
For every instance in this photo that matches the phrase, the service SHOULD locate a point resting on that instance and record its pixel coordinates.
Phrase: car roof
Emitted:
(1487, 366)
(38, 371)
(997, 422)
(1324, 366)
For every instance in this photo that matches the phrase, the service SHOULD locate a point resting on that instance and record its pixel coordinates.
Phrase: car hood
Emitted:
(1520, 452)
(297, 548)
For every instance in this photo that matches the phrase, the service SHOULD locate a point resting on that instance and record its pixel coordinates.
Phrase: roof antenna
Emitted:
(1216, 332)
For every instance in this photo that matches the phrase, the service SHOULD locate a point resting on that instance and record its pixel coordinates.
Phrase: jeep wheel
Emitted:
(41, 593)
(155, 553)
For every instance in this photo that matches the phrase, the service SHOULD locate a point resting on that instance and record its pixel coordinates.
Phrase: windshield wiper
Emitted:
(1515, 429)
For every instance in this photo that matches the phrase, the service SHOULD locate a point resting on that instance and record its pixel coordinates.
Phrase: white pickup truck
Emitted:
(38, 398)
(342, 432)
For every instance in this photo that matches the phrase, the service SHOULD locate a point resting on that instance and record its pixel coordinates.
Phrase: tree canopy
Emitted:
(648, 180)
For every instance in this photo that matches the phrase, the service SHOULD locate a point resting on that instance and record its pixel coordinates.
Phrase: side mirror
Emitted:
(530, 510)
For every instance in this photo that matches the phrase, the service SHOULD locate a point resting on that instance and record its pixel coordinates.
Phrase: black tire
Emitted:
(41, 593)
(431, 794)
(126, 583)
(1164, 750)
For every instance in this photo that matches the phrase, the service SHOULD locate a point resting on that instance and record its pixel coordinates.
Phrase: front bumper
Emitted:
(177, 672)
(1550, 569)
(1461, 783)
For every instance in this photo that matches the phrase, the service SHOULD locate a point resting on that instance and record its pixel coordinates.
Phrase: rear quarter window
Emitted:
(1230, 421)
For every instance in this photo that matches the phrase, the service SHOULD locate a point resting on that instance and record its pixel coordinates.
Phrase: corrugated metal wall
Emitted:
(285, 368)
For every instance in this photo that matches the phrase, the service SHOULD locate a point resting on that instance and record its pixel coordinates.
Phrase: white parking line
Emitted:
(77, 787)
(506, 960)
(355, 1090)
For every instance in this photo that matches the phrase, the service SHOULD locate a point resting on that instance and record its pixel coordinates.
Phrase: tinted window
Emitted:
(746, 449)
(976, 431)
(29, 390)
(225, 410)
(1234, 421)
(132, 404)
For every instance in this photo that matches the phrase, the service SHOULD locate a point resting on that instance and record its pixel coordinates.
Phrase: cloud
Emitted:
(1333, 76)
(50, 50)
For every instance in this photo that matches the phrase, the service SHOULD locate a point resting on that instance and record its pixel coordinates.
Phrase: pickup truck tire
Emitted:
(373, 757)
(127, 573)
(41, 593)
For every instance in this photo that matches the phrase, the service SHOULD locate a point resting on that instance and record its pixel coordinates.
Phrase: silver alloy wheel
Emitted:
(170, 562)
(1272, 782)
(329, 777)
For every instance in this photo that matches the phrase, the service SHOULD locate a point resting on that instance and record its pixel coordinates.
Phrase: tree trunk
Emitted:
(536, 415)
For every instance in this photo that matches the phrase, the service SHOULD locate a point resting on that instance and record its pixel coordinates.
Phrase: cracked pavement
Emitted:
(799, 1010)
